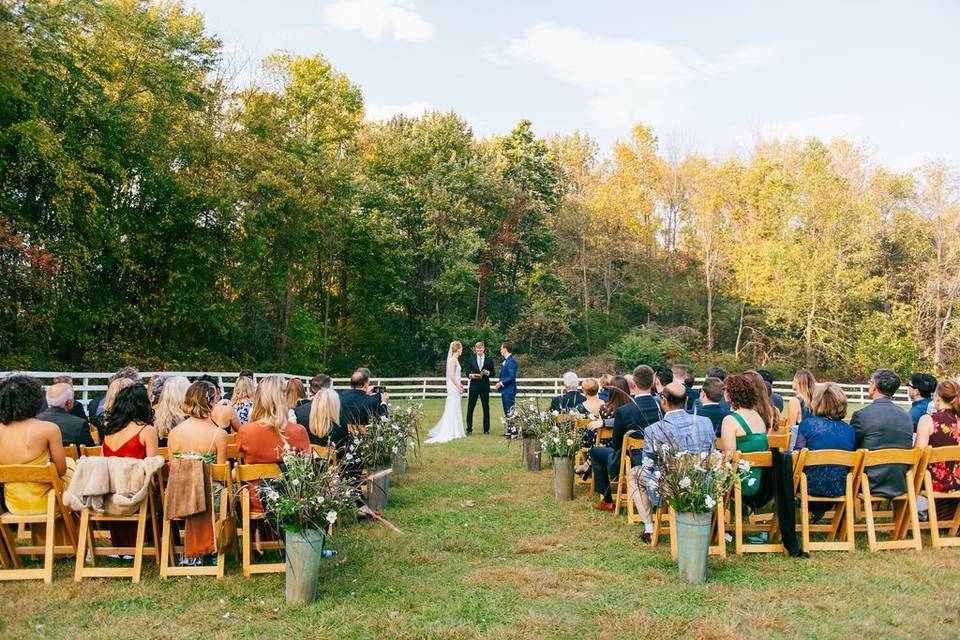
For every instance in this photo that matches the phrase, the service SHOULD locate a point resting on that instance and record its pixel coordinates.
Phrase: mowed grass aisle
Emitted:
(515, 565)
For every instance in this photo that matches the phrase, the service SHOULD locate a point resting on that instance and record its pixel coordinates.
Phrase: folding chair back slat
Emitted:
(935, 455)
(247, 473)
(843, 507)
(778, 441)
(757, 460)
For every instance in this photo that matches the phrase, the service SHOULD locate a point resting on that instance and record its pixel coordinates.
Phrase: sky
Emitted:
(711, 76)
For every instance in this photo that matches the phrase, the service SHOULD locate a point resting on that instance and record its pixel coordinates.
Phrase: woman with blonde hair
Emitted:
(242, 398)
(325, 425)
(800, 405)
(199, 436)
(450, 426)
(108, 400)
(169, 412)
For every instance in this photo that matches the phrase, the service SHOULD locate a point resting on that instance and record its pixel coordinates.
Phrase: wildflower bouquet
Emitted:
(405, 421)
(376, 444)
(310, 495)
(692, 482)
(560, 438)
(529, 420)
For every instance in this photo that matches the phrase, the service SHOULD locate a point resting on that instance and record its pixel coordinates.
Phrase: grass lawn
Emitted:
(517, 565)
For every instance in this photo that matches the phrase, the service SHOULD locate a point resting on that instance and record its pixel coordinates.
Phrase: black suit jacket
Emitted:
(634, 416)
(715, 412)
(356, 407)
(302, 411)
(884, 425)
(73, 430)
(567, 402)
(473, 367)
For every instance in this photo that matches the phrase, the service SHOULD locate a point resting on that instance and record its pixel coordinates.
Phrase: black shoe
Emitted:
(646, 537)
(469, 432)
(486, 432)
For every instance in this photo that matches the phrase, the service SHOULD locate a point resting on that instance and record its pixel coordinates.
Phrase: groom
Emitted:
(507, 385)
(479, 370)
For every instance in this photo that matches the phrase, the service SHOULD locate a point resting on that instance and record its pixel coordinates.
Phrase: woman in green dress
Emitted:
(743, 430)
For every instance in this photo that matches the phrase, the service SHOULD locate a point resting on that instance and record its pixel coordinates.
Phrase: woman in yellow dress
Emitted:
(26, 440)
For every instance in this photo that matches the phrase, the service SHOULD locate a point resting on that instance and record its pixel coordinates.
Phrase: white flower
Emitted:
(648, 463)
(384, 418)
(751, 482)
(349, 456)
(710, 502)
(685, 482)
(569, 442)
(295, 482)
(320, 499)
(657, 474)
(744, 465)
(331, 516)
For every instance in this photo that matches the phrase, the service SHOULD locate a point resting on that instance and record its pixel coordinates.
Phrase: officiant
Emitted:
(480, 369)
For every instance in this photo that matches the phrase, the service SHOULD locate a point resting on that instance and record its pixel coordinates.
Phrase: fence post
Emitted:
(424, 389)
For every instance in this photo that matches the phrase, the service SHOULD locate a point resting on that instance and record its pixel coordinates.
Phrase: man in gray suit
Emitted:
(677, 428)
(73, 430)
(883, 425)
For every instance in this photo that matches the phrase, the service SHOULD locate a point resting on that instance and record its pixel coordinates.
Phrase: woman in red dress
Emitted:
(942, 429)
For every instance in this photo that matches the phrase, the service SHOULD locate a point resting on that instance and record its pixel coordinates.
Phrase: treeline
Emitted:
(153, 211)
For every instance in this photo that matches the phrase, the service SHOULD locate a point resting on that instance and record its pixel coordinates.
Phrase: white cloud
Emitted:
(825, 127)
(628, 79)
(387, 111)
(377, 19)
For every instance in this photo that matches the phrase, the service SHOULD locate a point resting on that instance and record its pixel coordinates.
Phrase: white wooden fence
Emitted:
(88, 385)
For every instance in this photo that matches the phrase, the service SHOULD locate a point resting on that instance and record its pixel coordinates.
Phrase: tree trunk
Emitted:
(808, 336)
(709, 315)
(586, 299)
(736, 347)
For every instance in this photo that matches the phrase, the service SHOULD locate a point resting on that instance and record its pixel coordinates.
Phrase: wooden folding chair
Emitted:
(757, 460)
(45, 474)
(621, 498)
(88, 543)
(778, 441)
(231, 438)
(253, 473)
(91, 451)
(583, 452)
(71, 451)
(325, 452)
(934, 455)
(842, 512)
(94, 433)
(904, 505)
(224, 530)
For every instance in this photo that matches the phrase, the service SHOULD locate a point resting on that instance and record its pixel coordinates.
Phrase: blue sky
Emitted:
(708, 76)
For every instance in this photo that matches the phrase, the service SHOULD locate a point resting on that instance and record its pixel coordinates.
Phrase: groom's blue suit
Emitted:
(508, 383)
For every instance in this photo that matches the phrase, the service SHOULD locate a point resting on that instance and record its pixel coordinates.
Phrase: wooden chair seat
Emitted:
(251, 473)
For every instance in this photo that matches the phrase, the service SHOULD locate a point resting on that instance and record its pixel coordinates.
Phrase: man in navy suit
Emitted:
(708, 405)
(507, 385)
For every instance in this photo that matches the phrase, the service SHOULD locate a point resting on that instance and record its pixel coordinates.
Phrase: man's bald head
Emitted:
(675, 396)
(60, 395)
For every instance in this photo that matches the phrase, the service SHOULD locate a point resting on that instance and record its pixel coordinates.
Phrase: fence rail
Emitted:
(90, 384)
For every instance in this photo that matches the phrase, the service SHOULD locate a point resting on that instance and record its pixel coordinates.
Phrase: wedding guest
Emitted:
(296, 393)
(570, 398)
(302, 412)
(242, 398)
(591, 404)
(709, 403)
(324, 421)
(115, 387)
(920, 387)
(681, 373)
(799, 406)
(26, 440)
(664, 376)
(720, 374)
(198, 436)
(244, 373)
(649, 407)
(605, 379)
(130, 373)
(775, 398)
(678, 429)
(507, 383)
(764, 407)
(942, 429)
(169, 411)
(824, 428)
(223, 415)
(77, 409)
(744, 429)
(73, 430)
(359, 404)
(883, 425)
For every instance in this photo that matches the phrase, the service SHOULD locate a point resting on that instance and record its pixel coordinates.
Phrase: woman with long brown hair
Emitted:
(942, 429)
(764, 406)
(801, 404)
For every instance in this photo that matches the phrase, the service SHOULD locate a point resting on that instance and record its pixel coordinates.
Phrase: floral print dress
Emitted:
(946, 433)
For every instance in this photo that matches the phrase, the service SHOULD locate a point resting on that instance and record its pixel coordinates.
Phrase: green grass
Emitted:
(517, 565)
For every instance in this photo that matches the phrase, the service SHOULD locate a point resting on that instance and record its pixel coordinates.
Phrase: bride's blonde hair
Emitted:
(456, 347)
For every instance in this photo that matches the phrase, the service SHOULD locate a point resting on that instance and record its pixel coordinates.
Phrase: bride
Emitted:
(450, 426)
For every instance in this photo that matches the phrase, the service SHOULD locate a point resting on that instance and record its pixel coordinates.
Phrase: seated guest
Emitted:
(302, 412)
(244, 373)
(678, 429)
(223, 415)
(100, 419)
(799, 406)
(824, 428)
(603, 394)
(764, 407)
(129, 373)
(775, 398)
(359, 404)
(199, 436)
(570, 398)
(27, 440)
(77, 408)
(883, 425)
(942, 429)
(720, 374)
(169, 411)
(711, 393)
(648, 406)
(664, 376)
(296, 396)
(591, 404)
(744, 429)
(325, 428)
(920, 387)
(73, 430)
(681, 374)
(242, 398)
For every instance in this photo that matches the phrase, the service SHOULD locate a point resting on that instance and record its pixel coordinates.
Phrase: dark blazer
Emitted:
(77, 410)
(302, 411)
(634, 416)
(338, 437)
(692, 396)
(472, 367)
(73, 430)
(508, 376)
(698, 406)
(716, 412)
(356, 407)
(883, 425)
(567, 402)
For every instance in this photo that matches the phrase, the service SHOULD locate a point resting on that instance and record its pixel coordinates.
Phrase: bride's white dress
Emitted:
(450, 426)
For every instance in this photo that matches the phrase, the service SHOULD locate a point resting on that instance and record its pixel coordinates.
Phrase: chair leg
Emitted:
(141, 534)
(165, 544)
(847, 515)
(245, 505)
(932, 511)
(804, 514)
(673, 533)
(84, 540)
(50, 538)
(738, 519)
(868, 512)
(154, 528)
(913, 512)
(721, 530)
(11, 544)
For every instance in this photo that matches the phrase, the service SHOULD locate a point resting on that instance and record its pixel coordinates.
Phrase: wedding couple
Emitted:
(480, 368)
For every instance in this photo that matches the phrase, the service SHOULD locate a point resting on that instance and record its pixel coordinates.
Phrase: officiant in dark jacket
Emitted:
(480, 368)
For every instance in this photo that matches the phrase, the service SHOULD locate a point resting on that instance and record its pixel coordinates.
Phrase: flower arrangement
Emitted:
(560, 439)
(378, 443)
(310, 495)
(692, 481)
(406, 422)
(529, 420)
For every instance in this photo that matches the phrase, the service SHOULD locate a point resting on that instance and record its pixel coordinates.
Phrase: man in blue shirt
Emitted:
(920, 386)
